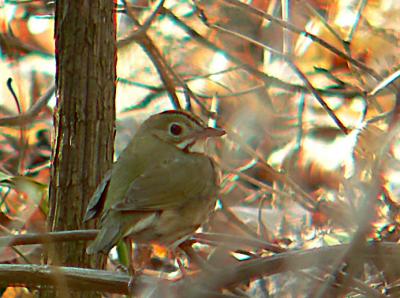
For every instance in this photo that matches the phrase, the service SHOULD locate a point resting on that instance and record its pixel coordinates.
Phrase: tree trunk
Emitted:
(84, 122)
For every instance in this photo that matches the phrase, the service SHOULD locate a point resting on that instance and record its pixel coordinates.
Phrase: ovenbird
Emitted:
(158, 190)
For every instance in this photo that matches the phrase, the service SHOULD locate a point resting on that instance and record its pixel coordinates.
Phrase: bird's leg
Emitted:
(195, 258)
(172, 253)
(131, 268)
(180, 264)
(180, 244)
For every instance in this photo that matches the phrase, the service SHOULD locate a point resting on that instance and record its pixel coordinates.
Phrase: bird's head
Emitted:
(179, 128)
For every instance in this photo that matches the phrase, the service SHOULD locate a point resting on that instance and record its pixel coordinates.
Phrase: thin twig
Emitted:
(313, 37)
(239, 242)
(156, 57)
(33, 111)
(302, 197)
(138, 34)
(365, 217)
(360, 9)
(165, 69)
(288, 261)
(263, 231)
(233, 219)
(345, 43)
(195, 258)
(265, 187)
(387, 81)
(268, 80)
(307, 83)
(34, 238)
(319, 98)
(22, 129)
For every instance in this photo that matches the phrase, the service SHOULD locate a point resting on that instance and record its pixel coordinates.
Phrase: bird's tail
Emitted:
(108, 236)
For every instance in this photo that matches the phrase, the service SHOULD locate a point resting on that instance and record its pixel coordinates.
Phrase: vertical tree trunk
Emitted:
(84, 119)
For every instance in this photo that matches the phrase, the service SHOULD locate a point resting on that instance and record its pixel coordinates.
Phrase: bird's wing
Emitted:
(96, 202)
(169, 184)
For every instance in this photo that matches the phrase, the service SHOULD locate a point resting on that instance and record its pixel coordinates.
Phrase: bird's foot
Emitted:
(181, 268)
(134, 274)
(122, 268)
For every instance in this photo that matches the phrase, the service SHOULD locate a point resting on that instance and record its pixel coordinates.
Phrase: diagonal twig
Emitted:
(31, 113)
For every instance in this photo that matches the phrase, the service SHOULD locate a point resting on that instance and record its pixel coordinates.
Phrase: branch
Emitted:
(75, 278)
(307, 83)
(236, 241)
(195, 286)
(34, 238)
(313, 37)
(86, 235)
(153, 52)
(28, 116)
(268, 80)
(284, 262)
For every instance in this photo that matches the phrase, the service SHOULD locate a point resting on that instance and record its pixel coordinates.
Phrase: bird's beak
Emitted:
(209, 132)
(199, 136)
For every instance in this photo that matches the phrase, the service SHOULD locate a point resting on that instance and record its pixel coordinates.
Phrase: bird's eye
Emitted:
(175, 129)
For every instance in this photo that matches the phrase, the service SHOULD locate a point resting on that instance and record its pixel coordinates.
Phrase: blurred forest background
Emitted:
(308, 92)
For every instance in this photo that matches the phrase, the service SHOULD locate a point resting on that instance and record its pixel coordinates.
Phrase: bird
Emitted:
(160, 190)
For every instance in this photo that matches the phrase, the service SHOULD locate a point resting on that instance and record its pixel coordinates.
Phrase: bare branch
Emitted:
(195, 286)
(288, 261)
(62, 236)
(76, 278)
(313, 37)
(28, 116)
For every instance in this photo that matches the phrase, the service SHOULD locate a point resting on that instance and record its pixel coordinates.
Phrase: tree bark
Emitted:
(84, 121)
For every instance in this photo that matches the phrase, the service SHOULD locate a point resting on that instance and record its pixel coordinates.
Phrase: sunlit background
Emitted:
(309, 120)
